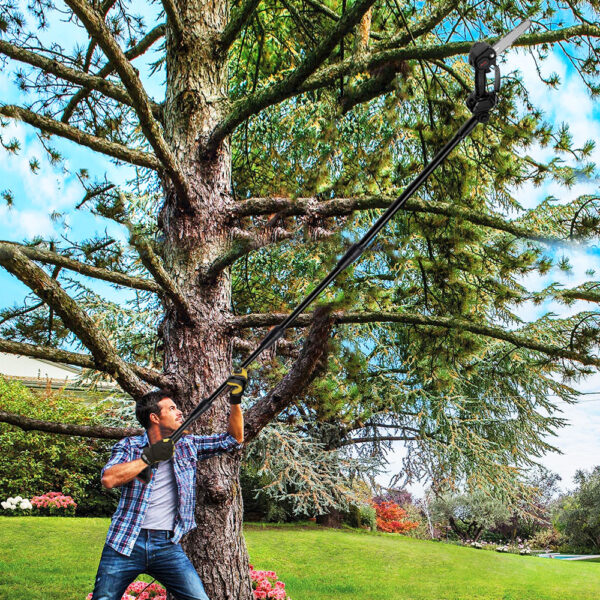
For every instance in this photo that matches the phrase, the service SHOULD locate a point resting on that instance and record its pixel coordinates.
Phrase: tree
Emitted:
(578, 514)
(534, 512)
(469, 514)
(284, 126)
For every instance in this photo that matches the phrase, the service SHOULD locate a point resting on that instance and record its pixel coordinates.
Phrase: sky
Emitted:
(54, 191)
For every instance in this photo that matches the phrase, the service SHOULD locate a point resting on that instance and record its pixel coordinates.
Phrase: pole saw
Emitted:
(482, 58)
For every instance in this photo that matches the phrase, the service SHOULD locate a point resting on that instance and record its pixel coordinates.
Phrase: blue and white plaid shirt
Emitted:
(129, 516)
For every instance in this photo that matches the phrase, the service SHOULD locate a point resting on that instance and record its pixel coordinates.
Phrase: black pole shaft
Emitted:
(349, 257)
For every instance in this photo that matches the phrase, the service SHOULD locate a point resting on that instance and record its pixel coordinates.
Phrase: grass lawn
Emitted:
(56, 558)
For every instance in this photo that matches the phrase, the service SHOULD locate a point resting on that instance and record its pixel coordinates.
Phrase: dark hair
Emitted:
(147, 404)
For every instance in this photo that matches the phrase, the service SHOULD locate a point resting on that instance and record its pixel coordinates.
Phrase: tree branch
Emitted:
(154, 265)
(520, 341)
(174, 18)
(88, 431)
(54, 258)
(48, 125)
(283, 347)
(242, 243)
(422, 27)
(87, 361)
(237, 21)
(287, 87)
(312, 357)
(87, 81)
(97, 28)
(107, 359)
(352, 66)
(333, 15)
(338, 207)
(389, 438)
(588, 295)
(108, 68)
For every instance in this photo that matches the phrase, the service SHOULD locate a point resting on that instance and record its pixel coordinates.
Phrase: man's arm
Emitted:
(122, 473)
(236, 423)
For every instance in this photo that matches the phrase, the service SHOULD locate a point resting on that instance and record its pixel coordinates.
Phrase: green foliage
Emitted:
(298, 474)
(361, 516)
(578, 515)
(33, 463)
(469, 514)
(549, 539)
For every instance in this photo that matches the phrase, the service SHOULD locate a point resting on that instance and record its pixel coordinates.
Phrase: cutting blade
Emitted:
(508, 40)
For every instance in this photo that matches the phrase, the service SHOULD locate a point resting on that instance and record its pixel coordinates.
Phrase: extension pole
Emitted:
(483, 58)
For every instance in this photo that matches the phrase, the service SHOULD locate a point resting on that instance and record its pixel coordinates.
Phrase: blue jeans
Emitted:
(156, 555)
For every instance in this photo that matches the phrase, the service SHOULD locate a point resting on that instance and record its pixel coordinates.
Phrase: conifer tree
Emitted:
(279, 131)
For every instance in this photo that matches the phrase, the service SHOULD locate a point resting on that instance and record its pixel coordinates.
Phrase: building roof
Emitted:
(40, 373)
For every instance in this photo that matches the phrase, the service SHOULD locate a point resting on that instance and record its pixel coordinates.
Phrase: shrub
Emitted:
(548, 539)
(33, 462)
(392, 518)
(16, 506)
(421, 531)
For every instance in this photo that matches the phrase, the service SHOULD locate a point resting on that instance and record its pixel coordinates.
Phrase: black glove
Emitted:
(162, 450)
(238, 382)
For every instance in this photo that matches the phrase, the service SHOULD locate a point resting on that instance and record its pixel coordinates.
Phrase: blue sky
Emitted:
(52, 190)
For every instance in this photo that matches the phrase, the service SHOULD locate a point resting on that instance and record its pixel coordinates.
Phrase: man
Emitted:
(151, 519)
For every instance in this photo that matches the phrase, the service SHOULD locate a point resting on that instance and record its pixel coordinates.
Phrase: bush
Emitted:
(361, 516)
(421, 531)
(547, 539)
(34, 462)
(392, 518)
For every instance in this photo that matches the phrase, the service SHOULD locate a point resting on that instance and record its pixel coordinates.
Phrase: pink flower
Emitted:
(260, 594)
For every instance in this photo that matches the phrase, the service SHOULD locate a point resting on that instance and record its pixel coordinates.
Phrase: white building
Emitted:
(39, 373)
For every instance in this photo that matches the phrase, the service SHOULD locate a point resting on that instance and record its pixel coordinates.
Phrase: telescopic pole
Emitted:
(483, 59)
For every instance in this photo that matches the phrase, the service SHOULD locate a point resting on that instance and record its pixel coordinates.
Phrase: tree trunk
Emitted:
(333, 518)
(198, 353)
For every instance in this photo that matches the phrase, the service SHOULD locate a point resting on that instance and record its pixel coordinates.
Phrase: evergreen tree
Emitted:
(282, 129)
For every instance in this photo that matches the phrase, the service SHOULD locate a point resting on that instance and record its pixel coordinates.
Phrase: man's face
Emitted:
(170, 417)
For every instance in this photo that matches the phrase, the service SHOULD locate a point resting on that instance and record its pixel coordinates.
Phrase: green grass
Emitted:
(56, 559)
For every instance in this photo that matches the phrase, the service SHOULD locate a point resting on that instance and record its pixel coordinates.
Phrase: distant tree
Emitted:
(578, 514)
(399, 496)
(533, 511)
(469, 514)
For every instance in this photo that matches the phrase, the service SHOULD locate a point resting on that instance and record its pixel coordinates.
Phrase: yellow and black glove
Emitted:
(162, 450)
(237, 382)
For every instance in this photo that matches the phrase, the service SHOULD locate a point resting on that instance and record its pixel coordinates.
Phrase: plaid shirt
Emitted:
(129, 516)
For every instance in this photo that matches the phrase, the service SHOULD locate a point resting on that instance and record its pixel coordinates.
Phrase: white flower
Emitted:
(18, 499)
(25, 505)
(4, 505)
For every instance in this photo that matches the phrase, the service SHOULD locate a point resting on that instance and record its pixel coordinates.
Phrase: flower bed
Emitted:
(17, 506)
(54, 503)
